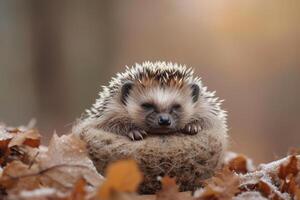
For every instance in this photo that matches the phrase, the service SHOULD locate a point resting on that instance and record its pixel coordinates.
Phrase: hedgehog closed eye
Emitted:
(157, 98)
(148, 106)
(176, 106)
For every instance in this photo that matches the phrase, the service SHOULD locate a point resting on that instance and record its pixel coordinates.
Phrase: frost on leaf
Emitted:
(30, 138)
(238, 163)
(16, 142)
(63, 167)
(63, 171)
(288, 174)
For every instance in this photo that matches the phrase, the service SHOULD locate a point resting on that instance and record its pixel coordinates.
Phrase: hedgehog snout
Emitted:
(164, 120)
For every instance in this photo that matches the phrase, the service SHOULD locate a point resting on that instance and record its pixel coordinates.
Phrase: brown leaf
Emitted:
(170, 190)
(264, 188)
(289, 185)
(290, 168)
(30, 138)
(238, 164)
(122, 176)
(5, 138)
(13, 140)
(79, 192)
(224, 185)
(297, 194)
(18, 176)
(68, 160)
(25, 154)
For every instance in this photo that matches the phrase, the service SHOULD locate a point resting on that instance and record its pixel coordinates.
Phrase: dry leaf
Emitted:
(223, 186)
(5, 137)
(264, 188)
(14, 140)
(290, 168)
(79, 192)
(289, 185)
(297, 195)
(68, 160)
(18, 176)
(64, 172)
(238, 164)
(169, 189)
(122, 176)
(30, 138)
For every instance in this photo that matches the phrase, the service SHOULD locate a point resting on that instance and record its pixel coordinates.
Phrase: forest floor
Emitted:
(63, 171)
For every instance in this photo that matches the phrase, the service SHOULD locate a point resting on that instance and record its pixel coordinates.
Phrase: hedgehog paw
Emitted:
(192, 128)
(137, 134)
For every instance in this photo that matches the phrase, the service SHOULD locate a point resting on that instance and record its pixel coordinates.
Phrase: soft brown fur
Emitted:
(190, 159)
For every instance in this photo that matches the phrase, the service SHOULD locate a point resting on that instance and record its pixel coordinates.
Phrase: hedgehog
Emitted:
(157, 111)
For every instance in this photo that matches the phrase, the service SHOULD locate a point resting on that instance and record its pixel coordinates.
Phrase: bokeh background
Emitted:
(55, 55)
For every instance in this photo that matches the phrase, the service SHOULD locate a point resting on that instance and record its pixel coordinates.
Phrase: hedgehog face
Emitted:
(158, 109)
(158, 120)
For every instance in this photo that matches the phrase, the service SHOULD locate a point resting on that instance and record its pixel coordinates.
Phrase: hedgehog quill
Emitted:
(161, 115)
(156, 98)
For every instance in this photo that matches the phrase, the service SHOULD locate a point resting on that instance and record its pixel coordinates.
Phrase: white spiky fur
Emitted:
(107, 106)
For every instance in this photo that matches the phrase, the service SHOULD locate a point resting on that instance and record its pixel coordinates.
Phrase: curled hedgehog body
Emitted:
(169, 119)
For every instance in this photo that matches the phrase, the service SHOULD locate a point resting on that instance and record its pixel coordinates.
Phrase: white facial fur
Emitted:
(163, 98)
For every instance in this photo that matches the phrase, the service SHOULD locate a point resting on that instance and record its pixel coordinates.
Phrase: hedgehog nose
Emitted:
(164, 120)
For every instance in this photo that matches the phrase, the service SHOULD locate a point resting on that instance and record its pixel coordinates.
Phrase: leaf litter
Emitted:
(63, 171)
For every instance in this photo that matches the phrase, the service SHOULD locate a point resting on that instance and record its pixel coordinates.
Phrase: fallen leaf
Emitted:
(13, 140)
(30, 138)
(264, 188)
(289, 186)
(169, 189)
(5, 137)
(121, 176)
(17, 176)
(224, 186)
(238, 164)
(297, 195)
(79, 192)
(290, 168)
(65, 162)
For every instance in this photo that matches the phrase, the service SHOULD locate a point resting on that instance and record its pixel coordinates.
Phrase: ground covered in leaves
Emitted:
(62, 171)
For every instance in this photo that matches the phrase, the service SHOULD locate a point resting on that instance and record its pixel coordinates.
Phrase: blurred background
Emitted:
(55, 55)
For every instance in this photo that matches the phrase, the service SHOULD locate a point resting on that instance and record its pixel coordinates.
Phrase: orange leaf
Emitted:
(122, 176)
(169, 190)
(264, 188)
(297, 195)
(224, 185)
(290, 168)
(238, 164)
(79, 192)
(289, 185)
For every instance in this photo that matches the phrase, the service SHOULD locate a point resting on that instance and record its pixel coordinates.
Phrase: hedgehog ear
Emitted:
(125, 90)
(195, 92)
